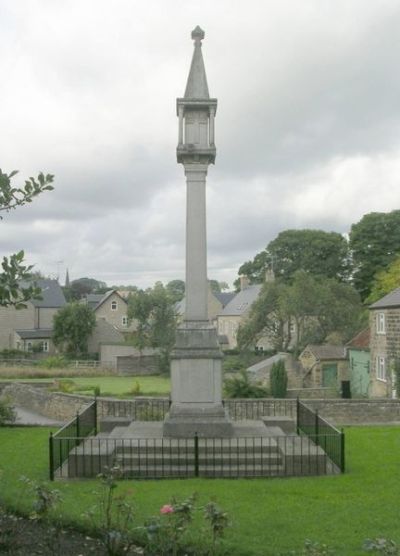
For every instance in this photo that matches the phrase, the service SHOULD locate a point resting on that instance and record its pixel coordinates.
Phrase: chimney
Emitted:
(244, 282)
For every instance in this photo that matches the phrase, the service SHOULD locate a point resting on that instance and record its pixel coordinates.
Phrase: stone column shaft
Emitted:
(196, 243)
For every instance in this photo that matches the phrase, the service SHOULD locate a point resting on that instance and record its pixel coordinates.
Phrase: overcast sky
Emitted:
(307, 127)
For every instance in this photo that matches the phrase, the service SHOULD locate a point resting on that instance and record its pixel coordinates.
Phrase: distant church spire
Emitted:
(67, 279)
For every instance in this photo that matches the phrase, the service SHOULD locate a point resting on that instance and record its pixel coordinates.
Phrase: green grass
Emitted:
(269, 516)
(116, 385)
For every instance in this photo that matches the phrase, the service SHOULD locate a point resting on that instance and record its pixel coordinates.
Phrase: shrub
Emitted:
(241, 387)
(7, 413)
(53, 362)
(278, 379)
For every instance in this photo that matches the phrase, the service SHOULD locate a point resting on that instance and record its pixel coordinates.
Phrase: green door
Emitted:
(359, 372)
(329, 375)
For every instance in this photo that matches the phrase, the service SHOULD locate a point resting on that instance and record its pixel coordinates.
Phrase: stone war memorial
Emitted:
(196, 432)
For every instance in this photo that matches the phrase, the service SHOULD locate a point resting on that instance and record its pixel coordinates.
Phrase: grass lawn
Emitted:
(268, 516)
(115, 385)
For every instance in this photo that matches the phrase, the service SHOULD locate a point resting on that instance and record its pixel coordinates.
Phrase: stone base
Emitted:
(205, 420)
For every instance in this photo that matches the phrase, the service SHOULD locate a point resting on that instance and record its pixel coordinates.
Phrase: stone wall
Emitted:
(337, 411)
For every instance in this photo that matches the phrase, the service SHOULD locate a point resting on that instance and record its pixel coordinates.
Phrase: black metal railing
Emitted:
(322, 433)
(71, 435)
(254, 409)
(150, 458)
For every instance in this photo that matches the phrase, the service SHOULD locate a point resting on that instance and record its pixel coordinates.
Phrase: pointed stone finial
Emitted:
(198, 35)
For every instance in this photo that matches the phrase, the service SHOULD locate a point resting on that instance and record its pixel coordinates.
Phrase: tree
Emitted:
(15, 279)
(73, 325)
(315, 251)
(385, 281)
(154, 312)
(176, 290)
(316, 307)
(278, 379)
(374, 244)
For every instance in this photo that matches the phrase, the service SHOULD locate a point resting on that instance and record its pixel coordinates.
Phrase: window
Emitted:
(44, 345)
(380, 323)
(124, 321)
(29, 346)
(114, 305)
(380, 367)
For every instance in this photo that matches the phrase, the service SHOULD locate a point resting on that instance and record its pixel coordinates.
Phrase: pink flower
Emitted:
(167, 509)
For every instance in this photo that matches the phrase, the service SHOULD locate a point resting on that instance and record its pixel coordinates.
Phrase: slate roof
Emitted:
(242, 301)
(327, 351)
(392, 299)
(93, 299)
(266, 362)
(51, 293)
(34, 334)
(225, 297)
(360, 341)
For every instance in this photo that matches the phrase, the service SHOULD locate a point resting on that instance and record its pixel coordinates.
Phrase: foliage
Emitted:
(385, 281)
(315, 307)
(154, 312)
(83, 286)
(73, 324)
(218, 520)
(382, 545)
(116, 514)
(314, 251)
(45, 498)
(7, 412)
(374, 244)
(12, 293)
(278, 379)
(241, 387)
(175, 290)
(14, 354)
(53, 362)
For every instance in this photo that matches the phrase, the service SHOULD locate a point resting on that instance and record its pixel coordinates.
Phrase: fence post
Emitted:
(51, 457)
(316, 427)
(77, 428)
(297, 415)
(342, 455)
(196, 455)
(95, 415)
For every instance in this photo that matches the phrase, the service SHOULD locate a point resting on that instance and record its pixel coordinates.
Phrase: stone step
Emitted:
(211, 450)
(210, 471)
(220, 459)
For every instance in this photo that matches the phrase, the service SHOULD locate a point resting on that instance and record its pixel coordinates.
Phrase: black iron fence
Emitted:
(71, 435)
(150, 458)
(255, 409)
(322, 433)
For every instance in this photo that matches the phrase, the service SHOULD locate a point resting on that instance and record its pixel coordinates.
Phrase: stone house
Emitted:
(236, 312)
(384, 344)
(324, 366)
(111, 307)
(216, 301)
(31, 328)
(359, 357)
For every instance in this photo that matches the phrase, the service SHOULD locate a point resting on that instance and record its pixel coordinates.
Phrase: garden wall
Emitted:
(338, 411)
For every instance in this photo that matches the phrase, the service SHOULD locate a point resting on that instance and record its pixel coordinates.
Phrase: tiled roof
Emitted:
(36, 333)
(242, 301)
(225, 297)
(327, 351)
(392, 299)
(51, 293)
(361, 340)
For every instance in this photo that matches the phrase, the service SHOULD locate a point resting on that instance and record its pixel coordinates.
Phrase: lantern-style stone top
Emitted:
(196, 111)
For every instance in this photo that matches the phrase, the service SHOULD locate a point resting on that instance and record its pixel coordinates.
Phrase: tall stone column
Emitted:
(196, 369)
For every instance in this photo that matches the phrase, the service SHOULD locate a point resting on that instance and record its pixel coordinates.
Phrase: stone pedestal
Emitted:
(196, 384)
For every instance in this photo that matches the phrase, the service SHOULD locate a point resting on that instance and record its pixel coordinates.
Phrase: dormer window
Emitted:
(380, 323)
(114, 305)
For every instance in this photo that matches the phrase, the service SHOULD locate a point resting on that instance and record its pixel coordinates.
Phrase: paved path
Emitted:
(27, 417)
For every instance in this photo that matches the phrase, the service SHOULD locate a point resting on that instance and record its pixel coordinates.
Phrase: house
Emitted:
(384, 344)
(261, 371)
(112, 308)
(359, 357)
(237, 311)
(216, 302)
(30, 328)
(324, 366)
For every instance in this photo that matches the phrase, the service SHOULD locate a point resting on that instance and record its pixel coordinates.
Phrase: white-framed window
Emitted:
(114, 305)
(44, 345)
(124, 321)
(380, 323)
(29, 346)
(381, 367)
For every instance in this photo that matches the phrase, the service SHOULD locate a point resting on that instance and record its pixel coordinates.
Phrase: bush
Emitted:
(53, 362)
(7, 413)
(278, 380)
(241, 387)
